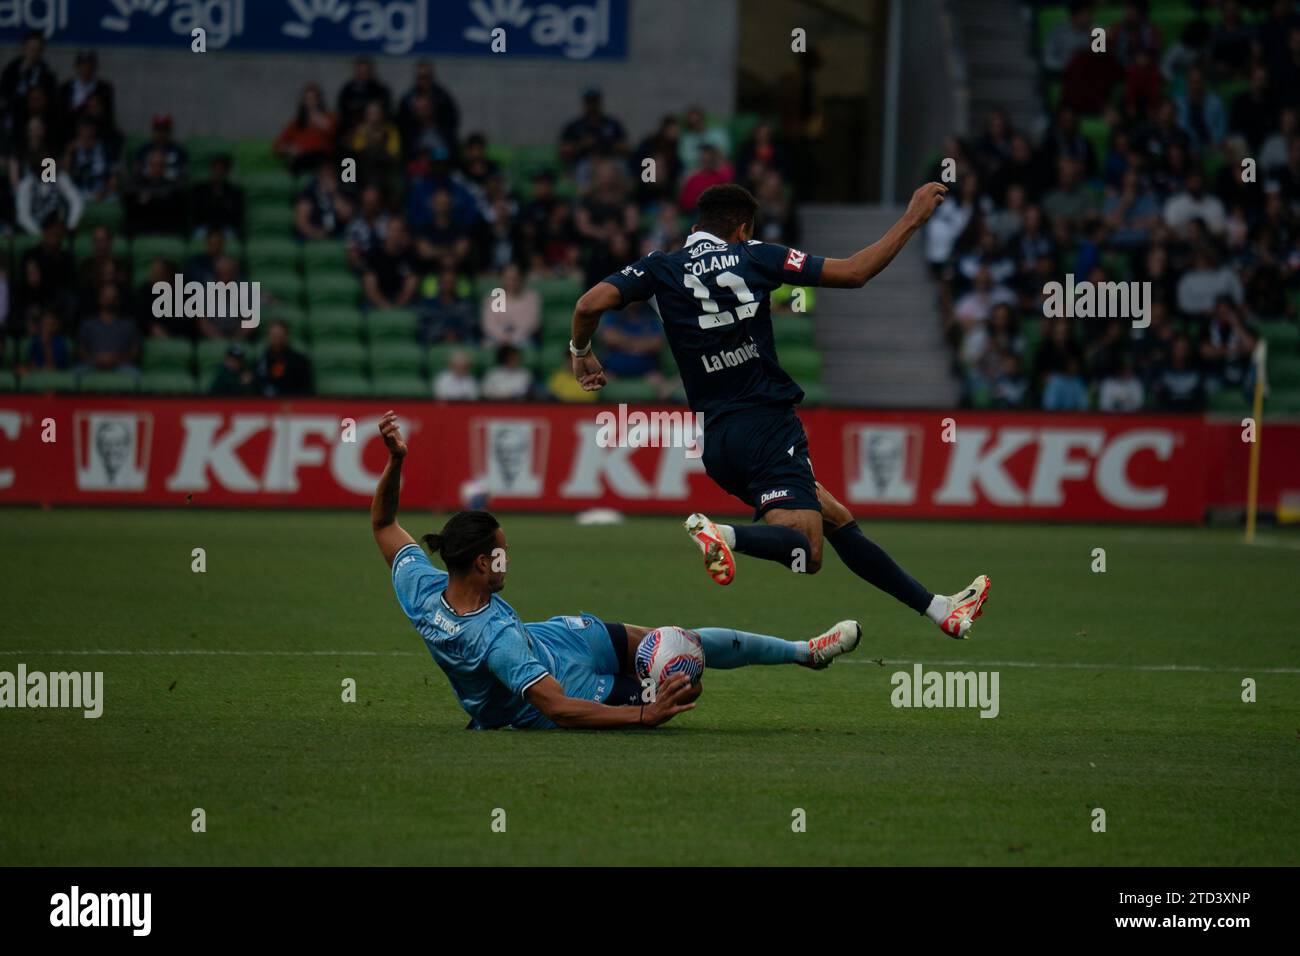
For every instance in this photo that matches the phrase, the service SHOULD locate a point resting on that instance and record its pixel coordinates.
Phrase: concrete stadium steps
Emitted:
(1000, 71)
(882, 345)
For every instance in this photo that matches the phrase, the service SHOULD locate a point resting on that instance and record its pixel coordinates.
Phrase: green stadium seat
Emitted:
(101, 214)
(401, 386)
(741, 127)
(108, 382)
(256, 156)
(324, 256)
(628, 391)
(83, 246)
(338, 323)
(1284, 371)
(293, 315)
(803, 364)
(557, 319)
(342, 384)
(8, 380)
(396, 358)
(282, 285)
(271, 187)
(559, 292)
(167, 382)
(201, 149)
(333, 289)
(814, 393)
(208, 355)
(266, 253)
(1283, 402)
(144, 249)
(792, 330)
(167, 355)
(48, 382)
(272, 221)
(392, 325)
(347, 358)
(1228, 400)
(440, 355)
(1282, 336)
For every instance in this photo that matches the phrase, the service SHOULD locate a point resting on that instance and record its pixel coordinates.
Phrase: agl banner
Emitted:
(327, 453)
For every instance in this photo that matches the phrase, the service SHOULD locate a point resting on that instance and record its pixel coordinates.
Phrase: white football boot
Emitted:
(965, 607)
(840, 639)
(718, 559)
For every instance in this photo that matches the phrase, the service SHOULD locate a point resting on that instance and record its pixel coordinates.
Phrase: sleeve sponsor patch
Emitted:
(795, 259)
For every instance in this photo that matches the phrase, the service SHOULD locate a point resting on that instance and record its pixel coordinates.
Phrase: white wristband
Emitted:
(577, 352)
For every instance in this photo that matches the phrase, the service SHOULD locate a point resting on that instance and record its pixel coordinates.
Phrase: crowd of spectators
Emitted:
(1137, 176)
(431, 223)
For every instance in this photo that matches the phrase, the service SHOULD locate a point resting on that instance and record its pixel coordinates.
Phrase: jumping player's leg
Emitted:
(870, 562)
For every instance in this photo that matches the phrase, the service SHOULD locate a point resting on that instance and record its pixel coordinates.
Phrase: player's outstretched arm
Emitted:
(861, 267)
(389, 535)
(575, 713)
(595, 302)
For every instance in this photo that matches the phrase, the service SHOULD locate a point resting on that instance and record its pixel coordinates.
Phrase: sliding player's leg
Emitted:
(953, 613)
(727, 648)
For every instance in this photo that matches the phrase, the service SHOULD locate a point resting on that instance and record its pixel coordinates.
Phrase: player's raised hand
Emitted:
(589, 372)
(392, 435)
(925, 201)
(669, 701)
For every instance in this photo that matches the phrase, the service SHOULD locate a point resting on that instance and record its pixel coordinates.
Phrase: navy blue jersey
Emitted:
(713, 298)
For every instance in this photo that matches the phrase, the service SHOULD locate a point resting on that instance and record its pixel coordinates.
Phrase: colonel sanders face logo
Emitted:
(883, 462)
(510, 455)
(113, 451)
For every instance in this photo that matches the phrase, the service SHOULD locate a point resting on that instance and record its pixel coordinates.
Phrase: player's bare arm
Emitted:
(573, 713)
(389, 535)
(594, 303)
(865, 264)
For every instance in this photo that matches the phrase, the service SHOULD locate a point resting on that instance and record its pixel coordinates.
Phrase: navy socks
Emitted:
(869, 561)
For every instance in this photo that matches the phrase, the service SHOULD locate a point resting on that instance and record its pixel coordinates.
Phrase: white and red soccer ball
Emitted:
(668, 651)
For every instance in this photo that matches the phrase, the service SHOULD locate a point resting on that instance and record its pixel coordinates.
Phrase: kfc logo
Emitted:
(113, 450)
(510, 455)
(883, 463)
(795, 260)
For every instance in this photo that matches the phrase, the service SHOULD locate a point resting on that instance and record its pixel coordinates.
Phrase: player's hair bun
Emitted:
(434, 543)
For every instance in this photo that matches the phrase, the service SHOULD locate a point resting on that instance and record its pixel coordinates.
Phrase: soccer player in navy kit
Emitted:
(712, 297)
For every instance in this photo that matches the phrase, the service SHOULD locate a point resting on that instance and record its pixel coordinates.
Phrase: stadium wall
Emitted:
(679, 53)
(1018, 466)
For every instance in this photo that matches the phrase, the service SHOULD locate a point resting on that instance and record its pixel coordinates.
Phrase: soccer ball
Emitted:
(668, 651)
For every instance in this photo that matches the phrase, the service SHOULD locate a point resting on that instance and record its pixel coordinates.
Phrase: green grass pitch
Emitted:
(1119, 691)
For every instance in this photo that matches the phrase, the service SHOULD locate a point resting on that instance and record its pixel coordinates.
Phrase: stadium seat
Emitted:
(208, 355)
(167, 355)
(83, 247)
(201, 149)
(256, 156)
(338, 323)
(292, 314)
(48, 382)
(145, 249)
(271, 220)
(803, 364)
(439, 355)
(106, 213)
(814, 393)
(1228, 400)
(1282, 336)
(283, 285)
(8, 380)
(629, 391)
(792, 330)
(559, 293)
(114, 382)
(265, 253)
(402, 386)
(1284, 371)
(348, 358)
(342, 384)
(271, 187)
(167, 382)
(558, 320)
(401, 358)
(333, 289)
(324, 256)
(392, 325)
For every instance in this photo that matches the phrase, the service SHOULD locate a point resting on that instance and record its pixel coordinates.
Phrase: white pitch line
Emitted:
(1046, 665)
(1102, 666)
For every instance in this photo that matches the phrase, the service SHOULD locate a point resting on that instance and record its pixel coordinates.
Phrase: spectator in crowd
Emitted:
(446, 315)
(1254, 111)
(48, 351)
(1071, 205)
(1064, 389)
(1227, 346)
(154, 202)
(1205, 283)
(760, 155)
(696, 134)
(359, 92)
(442, 109)
(1121, 390)
(25, 72)
(1200, 113)
(88, 161)
(175, 326)
(282, 371)
(1231, 41)
(108, 341)
(367, 229)
(456, 383)
(604, 219)
(1056, 353)
(445, 236)
(322, 210)
(661, 148)
(666, 234)
(100, 116)
(307, 140)
(37, 200)
(631, 340)
(101, 252)
(229, 326)
(420, 132)
(217, 203)
(950, 220)
(375, 144)
(390, 280)
(593, 135)
(1010, 387)
(499, 242)
(1072, 35)
(511, 314)
(175, 159)
(509, 379)
(563, 387)
(974, 309)
(713, 170)
(1131, 213)
(48, 269)
(233, 377)
(202, 267)
(1180, 386)
(84, 84)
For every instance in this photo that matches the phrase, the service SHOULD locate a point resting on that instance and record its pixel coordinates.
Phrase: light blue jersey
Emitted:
(491, 657)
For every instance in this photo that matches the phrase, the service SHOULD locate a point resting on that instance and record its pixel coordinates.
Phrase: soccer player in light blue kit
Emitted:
(566, 672)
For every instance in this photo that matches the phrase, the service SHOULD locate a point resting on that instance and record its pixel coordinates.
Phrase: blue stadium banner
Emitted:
(565, 29)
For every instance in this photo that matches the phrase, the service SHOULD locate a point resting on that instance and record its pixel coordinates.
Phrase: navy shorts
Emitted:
(760, 455)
